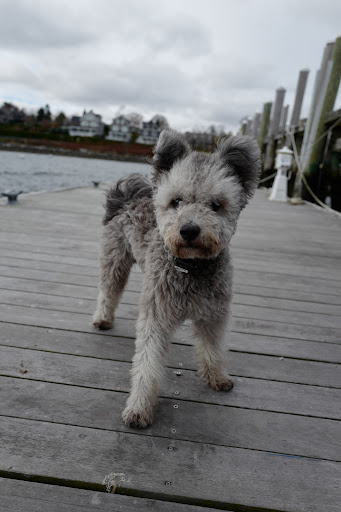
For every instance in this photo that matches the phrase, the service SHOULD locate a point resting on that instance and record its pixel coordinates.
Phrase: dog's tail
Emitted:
(126, 190)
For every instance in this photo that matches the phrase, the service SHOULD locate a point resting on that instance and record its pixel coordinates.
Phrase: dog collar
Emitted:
(192, 265)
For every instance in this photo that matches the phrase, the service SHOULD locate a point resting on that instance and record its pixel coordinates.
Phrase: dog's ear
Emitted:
(241, 155)
(170, 147)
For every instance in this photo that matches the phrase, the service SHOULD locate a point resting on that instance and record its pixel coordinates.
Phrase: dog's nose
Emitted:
(189, 232)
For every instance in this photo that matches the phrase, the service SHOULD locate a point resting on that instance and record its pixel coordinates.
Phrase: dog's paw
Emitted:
(223, 384)
(102, 324)
(137, 419)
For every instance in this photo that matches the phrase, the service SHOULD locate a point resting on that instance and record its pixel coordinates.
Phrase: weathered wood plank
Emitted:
(284, 304)
(209, 475)
(21, 496)
(126, 327)
(239, 364)
(294, 257)
(130, 311)
(50, 242)
(212, 424)
(242, 258)
(114, 375)
(284, 347)
(243, 294)
(25, 259)
(107, 347)
(282, 329)
(18, 252)
(76, 275)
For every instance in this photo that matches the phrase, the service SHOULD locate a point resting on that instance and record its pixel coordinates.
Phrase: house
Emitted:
(9, 113)
(149, 132)
(90, 125)
(121, 129)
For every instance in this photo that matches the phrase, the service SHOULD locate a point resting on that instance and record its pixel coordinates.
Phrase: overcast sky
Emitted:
(196, 62)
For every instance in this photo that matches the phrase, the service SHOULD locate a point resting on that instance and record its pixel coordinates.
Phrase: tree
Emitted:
(60, 118)
(135, 119)
(40, 115)
(44, 114)
(161, 120)
(47, 113)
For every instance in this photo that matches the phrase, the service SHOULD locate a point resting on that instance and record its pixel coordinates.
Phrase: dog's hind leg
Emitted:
(115, 264)
(211, 354)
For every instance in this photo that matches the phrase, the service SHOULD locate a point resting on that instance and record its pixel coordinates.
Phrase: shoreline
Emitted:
(80, 153)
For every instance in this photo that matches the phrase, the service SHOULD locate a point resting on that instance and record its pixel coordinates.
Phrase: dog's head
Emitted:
(198, 196)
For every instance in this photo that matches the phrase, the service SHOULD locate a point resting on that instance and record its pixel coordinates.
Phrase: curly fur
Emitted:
(145, 225)
(126, 191)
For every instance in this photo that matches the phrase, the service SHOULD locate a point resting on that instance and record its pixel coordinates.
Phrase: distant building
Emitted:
(9, 113)
(149, 132)
(75, 120)
(121, 129)
(90, 125)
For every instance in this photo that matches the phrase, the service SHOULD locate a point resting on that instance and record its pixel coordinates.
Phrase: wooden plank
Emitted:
(289, 258)
(282, 329)
(17, 252)
(272, 265)
(284, 347)
(49, 266)
(243, 294)
(22, 258)
(22, 496)
(107, 347)
(285, 304)
(241, 258)
(239, 364)
(45, 241)
(59, 289)
(114, 375)
(209, 475)
(130, 311)
(204, 423)
(253, 275)
(289, 317)
(319, 286)
(126, 327)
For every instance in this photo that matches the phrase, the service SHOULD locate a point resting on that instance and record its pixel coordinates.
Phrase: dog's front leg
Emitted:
(147, 371)
(211, 353)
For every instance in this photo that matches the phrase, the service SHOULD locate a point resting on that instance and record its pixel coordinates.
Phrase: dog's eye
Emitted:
(175, 202)
(215, 205)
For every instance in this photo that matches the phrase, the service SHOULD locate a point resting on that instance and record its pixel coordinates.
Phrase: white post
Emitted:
(279, 191)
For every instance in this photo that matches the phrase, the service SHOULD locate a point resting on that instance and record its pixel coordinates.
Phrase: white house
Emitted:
(90, 125)
(149, 133)
(121, 129)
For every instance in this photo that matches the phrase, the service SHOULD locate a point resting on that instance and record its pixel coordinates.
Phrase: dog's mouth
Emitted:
(190, 250)
(205, 246)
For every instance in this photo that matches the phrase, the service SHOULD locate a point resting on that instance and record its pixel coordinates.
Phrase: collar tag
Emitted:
(180, 269)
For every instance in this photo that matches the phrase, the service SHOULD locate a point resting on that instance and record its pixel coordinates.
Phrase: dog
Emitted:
(177, 228)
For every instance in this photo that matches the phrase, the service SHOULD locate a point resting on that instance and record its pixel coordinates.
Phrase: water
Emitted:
(32, 172)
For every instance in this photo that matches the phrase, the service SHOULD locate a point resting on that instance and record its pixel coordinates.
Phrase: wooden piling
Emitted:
(265, 124)
(274, 129)
(300, 90)
(332, 90)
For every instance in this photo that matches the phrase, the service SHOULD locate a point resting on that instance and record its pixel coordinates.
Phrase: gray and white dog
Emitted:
(177, 228)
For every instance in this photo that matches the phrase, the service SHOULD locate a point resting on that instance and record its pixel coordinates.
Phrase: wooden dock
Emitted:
(272, 444)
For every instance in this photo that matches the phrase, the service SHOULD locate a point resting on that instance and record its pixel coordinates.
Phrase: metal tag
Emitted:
(179, 269)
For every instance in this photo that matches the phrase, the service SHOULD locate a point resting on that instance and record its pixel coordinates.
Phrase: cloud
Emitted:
(184, 36)
(196, 63)
(24, 24)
